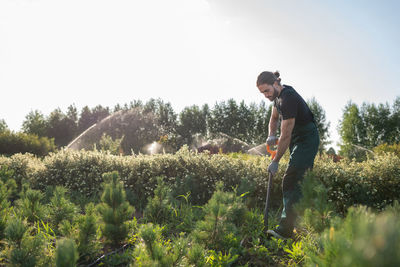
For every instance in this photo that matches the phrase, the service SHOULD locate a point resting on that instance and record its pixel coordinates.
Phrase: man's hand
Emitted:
(273, 167)
(271, 140)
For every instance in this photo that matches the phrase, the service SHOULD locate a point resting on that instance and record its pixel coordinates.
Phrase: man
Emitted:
(298, 133)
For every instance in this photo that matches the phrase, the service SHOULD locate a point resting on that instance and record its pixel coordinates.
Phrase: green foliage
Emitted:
(12, 143)
(361, 239)
(60, 208)
(66, 253)
(219, 259)
(22, 249)
(62, 127)
(30, 205)
(8, 189)
(159, 208)
(107, 144)
(175, 214)
(88, 116)
(154, 250)
(35, 123)
(196, 255)
(322, 125)
(192, 120)
(115, 211)
(247, 123)
(224, 214)
(363, 128)
(373, 183)
(15, 231)
(88, 244)
(314, 205)
(386, 148)
(3, 126)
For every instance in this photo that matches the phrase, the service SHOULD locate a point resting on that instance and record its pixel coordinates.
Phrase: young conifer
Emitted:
(224, 215)
(30, 205)
(60, 208)
(23, 249)
(87, 224)
(66, 253)
(115, 210)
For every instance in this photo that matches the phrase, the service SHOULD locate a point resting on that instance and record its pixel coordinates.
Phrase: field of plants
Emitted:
(192, 209)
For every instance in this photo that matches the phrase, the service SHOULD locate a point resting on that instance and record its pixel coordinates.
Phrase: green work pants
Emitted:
(303, 149)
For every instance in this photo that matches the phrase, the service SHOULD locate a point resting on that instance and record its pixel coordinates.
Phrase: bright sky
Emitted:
(88, 52)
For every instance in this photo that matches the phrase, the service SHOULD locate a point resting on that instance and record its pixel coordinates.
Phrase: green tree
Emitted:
(62, 127)
(322, 124)
(12, 143)
(114, 209)
(35, 123)
(395, 122)
(88, 116)
(351, 132)
(164, 113)
(66, 253)
(225, 118)
(362, 129)
(192, 120)
(3, 126)
(262, 114)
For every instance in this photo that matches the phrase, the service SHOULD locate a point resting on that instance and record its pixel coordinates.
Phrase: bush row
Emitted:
(374, 183)
(12, 143)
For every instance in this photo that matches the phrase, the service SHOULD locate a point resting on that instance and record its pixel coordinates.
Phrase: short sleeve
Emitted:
(289, 106)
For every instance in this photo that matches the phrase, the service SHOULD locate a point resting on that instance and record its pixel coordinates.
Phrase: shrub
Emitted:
(159, 208)
(361, 239)
(87, 225)
(23, 166)
(30, 205)
(23, 249)
(154, 250)
(114, 210)
(224, 213)
(13, 143)
(66, 253)
(373, 183)
(314, 206)
(388, 148)
(60, 208)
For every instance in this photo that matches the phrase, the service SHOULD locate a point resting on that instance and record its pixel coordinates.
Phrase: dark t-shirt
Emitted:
(291, 105)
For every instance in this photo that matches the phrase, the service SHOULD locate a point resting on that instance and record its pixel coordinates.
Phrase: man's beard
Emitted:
(274, 96)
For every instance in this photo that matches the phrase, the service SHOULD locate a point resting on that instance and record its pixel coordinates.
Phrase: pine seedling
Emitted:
(159, 208)
(30, 205)
(219, 229)
(66, 253)
(23, 249)
(115, 210)
(153, 250)
(87, 224)
(6, 189)
(60, 208)
(314, 207)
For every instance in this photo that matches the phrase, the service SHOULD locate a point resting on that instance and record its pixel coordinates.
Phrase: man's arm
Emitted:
(273, 122)
(284, 140)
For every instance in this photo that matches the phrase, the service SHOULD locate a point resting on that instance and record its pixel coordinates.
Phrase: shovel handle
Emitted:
(271, 152)
(266, 208)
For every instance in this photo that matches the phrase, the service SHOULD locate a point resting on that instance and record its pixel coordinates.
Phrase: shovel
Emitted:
(267, 200)
(270, 176)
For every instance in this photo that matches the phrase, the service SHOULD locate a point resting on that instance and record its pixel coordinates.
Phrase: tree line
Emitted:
(364, 127)
(247, 122)
(361, 128)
